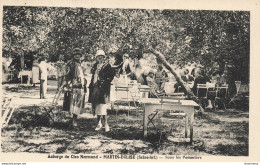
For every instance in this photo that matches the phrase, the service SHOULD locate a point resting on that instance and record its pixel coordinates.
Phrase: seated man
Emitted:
(201, 78)
(186, 77)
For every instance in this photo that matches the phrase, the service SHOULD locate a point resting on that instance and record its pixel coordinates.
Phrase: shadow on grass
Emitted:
(230, 150)
(63, 137)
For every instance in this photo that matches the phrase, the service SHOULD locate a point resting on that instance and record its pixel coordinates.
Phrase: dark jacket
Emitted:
(178, 87)
(99, 92)
(187, 79)
(200, 80)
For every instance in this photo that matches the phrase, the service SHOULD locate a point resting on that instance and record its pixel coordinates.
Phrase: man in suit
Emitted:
(43, 76)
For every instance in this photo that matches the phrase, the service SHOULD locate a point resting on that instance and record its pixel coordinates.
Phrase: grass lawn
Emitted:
(217, 132)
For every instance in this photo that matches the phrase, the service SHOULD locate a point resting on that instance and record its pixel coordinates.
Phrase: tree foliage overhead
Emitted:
(181, 35)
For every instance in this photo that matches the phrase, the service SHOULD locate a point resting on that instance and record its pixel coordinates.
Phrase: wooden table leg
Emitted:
(148, 109)
(191, 127)
(145, 122)
(186, 125)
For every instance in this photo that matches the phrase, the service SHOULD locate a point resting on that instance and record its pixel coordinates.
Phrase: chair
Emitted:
(123, 99)
(222, 98)
(135, 97)
(165, 100)
(201, 87)
(200, 94)
(179, 95)
(171, 114)
(8, 108)
(242, 92)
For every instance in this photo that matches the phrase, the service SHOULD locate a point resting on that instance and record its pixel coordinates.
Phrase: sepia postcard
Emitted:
(150, 80)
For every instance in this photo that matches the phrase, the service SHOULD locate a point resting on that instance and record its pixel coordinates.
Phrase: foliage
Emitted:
(183, 36)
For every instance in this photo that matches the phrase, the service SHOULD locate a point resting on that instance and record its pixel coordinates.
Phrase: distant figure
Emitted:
(139, 74)
(165, 76)
(159, 76)
(35, 72)
(152, 84)
(201, 78)
(224, 77)
(186, 77)
(43, 75)
(127, 68)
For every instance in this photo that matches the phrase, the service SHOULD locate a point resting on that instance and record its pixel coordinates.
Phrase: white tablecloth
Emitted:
(25, 73)
(169, 87)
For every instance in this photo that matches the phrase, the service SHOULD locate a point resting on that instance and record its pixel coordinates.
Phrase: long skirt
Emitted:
(77, 101)
(66, 101)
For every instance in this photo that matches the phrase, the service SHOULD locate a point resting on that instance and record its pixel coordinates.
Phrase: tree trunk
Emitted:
(186, 88)
(22, 60)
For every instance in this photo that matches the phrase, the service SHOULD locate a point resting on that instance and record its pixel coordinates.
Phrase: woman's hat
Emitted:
(100, 53)
(126, 55)
(151, 71)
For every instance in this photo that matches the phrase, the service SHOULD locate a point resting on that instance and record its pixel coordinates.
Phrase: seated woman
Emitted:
(126, 67)
(159, 77)
(152, 84)
(139, 75)
(223, 78)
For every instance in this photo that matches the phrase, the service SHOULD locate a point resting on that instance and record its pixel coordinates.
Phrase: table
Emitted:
(123, 91)
(27, 73)
(187, 106)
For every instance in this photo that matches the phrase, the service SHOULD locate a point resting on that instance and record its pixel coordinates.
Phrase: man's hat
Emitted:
(77, 51)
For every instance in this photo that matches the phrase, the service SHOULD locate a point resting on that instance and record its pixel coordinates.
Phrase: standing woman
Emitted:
(99, 88)
(76, 82)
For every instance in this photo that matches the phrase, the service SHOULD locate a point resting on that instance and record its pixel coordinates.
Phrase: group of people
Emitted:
(99, 87)
(103, 72)
(73, 81)
(216, 78)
